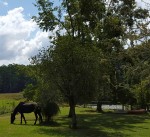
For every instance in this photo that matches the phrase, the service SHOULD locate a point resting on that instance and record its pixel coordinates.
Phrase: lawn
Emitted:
(9, 101)
(90, 124)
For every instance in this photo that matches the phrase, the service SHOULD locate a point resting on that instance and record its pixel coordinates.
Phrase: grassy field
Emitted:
(9, 101)
(90, 124)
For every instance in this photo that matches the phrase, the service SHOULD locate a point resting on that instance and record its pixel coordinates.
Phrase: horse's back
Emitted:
(27, 107)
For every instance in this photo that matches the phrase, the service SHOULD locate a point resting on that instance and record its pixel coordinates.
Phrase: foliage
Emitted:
(29, 92)
(50, 109)
(13, 78)
(86, 39)
(70, 69)
(138, 74)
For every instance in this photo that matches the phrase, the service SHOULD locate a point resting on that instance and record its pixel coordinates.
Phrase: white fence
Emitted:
(113, 107)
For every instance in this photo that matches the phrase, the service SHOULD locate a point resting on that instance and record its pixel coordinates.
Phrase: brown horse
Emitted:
(23, 107)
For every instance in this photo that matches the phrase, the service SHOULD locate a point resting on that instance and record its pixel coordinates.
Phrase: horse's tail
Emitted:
(38, 109)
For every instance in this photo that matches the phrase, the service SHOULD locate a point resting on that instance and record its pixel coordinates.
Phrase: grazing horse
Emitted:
(23, 107)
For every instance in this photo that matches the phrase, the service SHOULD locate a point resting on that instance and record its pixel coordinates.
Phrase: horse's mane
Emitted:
(20, 104)
(16, 108)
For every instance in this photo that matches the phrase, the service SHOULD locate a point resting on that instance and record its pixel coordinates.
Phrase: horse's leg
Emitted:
(22, 116)
(36, 117)
(40, 118)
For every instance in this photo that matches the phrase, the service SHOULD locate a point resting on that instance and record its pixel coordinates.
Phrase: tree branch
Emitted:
(71, 20)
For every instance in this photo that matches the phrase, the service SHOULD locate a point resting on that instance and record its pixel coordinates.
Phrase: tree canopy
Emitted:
(91, 55)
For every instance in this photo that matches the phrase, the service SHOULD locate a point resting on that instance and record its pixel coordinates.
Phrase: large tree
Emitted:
(75, 62)
(72, 69)
(87, 35)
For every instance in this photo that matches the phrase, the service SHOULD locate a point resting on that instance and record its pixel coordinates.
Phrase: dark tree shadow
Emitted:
(93, 124)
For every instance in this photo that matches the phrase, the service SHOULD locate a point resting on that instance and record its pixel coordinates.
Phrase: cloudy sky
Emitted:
(20, 37)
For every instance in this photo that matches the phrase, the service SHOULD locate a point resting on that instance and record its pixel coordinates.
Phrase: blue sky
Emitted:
(20, 37)
(28, 5)
(29, 8)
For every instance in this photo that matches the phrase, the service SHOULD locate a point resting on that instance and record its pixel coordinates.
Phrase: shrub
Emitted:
(50, 109)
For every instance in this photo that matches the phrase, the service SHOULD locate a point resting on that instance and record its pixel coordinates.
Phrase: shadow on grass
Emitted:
(61, 132)
(44, 124)
(92, 124)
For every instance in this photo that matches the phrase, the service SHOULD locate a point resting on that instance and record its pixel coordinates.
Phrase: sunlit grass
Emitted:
(9, 101)
(90, 124)
(11, 96)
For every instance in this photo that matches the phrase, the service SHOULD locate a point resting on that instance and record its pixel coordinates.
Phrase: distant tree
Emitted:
(138, 74)
(13, 79)
(123, 24)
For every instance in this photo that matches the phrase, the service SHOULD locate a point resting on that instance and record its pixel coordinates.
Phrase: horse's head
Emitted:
(12, 118)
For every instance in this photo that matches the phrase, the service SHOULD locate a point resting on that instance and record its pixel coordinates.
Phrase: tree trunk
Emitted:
(99, 106)
(147, 107)
(70, 110)
(72, 113)
(74, 120)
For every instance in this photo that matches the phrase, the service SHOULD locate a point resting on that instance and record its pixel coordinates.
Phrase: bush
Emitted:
(50, 109)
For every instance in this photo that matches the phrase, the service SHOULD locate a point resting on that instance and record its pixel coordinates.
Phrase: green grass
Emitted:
(9, 101)
(90, 124)
(11, 96)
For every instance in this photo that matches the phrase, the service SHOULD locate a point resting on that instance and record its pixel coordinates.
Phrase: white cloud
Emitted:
(20, 38)
(3, 3)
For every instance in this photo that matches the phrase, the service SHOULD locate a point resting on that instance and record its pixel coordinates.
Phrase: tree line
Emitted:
(13, 78)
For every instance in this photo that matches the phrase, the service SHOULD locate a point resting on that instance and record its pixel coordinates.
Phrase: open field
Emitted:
(9, 101)
(11, 96)
(90, 124)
